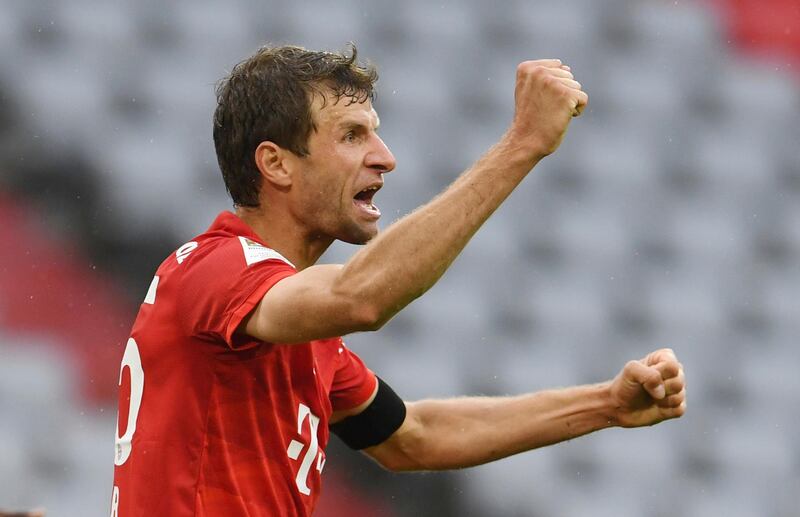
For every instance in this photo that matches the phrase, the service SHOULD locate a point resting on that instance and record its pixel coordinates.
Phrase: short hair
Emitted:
(268, 96)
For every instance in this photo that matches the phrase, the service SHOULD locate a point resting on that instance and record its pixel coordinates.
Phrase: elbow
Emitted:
(367, 316)
(398, 466)
(358, 309)
(399, 461)
(366, 309)
(407, 450)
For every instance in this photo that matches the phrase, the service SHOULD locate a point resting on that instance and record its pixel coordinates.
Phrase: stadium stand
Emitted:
(669, 217)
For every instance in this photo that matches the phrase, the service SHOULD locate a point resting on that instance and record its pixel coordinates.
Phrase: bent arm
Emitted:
(458, 433)
(413, 253)
(395, 268)
(449, 434)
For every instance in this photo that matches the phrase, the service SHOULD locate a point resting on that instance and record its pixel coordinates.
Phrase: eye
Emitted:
(350, 136)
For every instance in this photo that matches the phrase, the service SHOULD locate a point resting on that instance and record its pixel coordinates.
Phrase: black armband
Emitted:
(375, 424)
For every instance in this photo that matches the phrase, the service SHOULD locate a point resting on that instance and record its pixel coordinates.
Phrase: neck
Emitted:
(285, 235)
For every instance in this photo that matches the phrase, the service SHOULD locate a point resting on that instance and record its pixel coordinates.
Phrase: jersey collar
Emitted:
(228, 222)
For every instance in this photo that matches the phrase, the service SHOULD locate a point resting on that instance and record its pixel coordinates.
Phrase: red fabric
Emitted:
(219, 413)
(341, 499)
(765, 27)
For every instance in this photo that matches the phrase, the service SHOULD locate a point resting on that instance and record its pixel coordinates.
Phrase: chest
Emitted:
(283, 378)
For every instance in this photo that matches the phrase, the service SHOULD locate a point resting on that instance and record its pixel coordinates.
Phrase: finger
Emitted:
(581, 99)
(674, 412)
(560, 72)
(567, 68)
(547, 63)
(674, 385)
(668, 369)
(663, 354)
(672, 400)
(647, 376)
(570, 83)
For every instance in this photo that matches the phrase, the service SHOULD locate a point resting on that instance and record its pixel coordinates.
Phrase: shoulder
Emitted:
(255, 252)
(224, 254)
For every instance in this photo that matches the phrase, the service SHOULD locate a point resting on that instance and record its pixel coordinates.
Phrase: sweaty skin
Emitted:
(319, 194)
(403, 262)
(463, 432)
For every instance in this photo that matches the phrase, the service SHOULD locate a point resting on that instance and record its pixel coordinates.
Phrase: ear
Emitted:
(272, 163)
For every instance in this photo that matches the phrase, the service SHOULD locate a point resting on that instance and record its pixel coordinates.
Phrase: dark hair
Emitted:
(268, 97)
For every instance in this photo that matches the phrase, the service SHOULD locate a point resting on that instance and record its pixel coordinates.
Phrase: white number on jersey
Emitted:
(295, 448)
(115, 502)
(184, 251)
(131, 359)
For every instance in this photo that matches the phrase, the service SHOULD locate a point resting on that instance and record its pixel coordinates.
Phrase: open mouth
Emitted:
(363, 200)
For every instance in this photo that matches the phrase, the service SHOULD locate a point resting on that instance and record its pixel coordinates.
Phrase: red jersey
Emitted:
(213, 422)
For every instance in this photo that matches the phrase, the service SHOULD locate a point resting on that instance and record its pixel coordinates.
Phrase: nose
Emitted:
(380, 157)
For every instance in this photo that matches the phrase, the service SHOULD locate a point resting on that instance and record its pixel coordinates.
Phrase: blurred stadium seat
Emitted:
(668, 218)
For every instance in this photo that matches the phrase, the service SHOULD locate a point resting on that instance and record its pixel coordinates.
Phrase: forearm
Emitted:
(412, 254)
(460, 433)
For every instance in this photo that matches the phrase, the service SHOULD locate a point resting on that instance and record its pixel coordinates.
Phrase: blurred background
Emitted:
(669, 217)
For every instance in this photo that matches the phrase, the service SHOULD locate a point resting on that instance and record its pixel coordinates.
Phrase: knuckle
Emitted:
(671, 368)
(528, 67)
(539, 72)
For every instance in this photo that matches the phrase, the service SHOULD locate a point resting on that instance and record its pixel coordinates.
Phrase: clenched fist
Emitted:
(650, 390)
(546, 98)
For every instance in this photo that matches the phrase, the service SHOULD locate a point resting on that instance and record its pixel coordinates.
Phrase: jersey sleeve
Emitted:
(353, 382)
(222, 284)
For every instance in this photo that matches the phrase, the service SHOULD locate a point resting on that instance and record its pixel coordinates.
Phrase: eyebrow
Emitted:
(354, 124)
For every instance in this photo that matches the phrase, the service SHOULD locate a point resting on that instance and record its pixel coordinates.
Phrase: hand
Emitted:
(649, 391)
(546, 98)
(32, 513)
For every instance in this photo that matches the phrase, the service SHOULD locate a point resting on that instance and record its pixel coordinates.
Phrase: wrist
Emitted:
(521, 149)
(588, 408)
(606, 407)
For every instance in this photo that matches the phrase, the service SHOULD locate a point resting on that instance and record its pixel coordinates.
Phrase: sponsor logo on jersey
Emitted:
(256, 252)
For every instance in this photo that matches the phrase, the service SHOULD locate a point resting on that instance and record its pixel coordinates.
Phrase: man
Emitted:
(235, 364)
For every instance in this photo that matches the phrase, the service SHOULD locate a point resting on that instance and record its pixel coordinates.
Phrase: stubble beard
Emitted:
(354, 233)
(344, 226)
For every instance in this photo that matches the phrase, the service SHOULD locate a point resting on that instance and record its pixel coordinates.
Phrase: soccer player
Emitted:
(235, 374)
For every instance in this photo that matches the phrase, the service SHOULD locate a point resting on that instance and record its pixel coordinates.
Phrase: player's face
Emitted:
(342, 172)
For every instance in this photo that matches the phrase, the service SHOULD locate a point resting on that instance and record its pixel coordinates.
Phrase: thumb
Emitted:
(647, 376)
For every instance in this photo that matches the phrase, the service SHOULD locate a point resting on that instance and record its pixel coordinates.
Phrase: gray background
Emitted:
(669, 217)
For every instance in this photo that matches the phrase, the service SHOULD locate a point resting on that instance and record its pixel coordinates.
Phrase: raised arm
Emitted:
(457, 433)
(412, 254)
